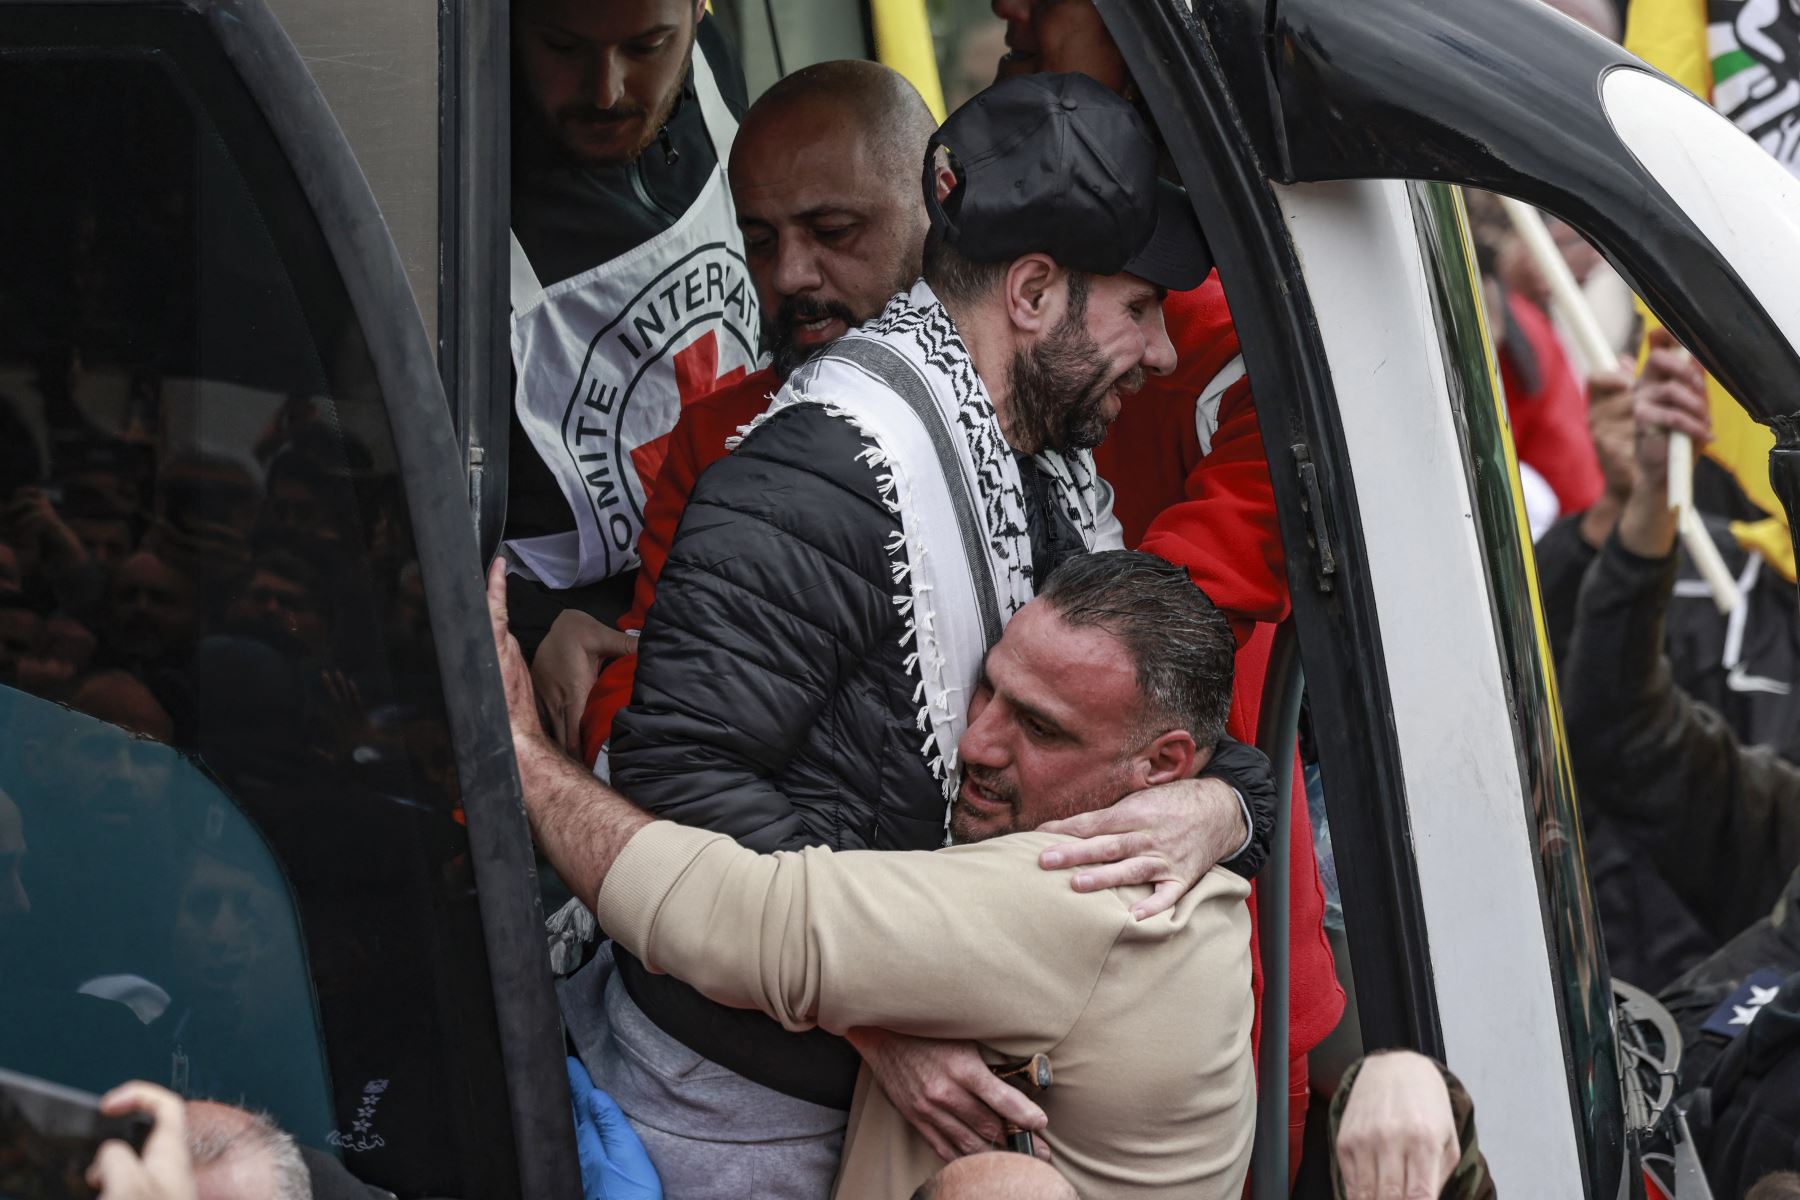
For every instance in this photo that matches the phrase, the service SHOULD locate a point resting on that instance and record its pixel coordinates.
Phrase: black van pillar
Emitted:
(1784, 468)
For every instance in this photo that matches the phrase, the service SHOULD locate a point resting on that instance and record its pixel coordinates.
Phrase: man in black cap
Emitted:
(804, 676)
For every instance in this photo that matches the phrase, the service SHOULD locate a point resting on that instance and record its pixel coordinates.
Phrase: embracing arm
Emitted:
(1246, 771)
(861, 938)
(578, 822)
(1171, 835)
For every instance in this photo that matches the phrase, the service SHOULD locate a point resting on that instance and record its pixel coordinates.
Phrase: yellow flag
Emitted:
(1673, 37)
(1670, 35)
(903, 41)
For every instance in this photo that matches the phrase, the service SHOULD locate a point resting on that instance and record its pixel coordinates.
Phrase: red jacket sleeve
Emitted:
(697, 442)
(1550, 424)
(1224, 532)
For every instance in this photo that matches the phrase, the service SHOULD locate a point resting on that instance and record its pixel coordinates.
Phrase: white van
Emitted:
(227, 217)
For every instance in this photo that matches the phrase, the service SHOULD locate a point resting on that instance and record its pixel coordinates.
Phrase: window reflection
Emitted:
(773, 37)
(145, 925)
(230, 855)
(1567, 896)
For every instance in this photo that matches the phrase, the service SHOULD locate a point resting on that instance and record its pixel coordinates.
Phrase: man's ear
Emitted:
(700, 9)
(944, 179)
(1172, 756)
(1029, 282)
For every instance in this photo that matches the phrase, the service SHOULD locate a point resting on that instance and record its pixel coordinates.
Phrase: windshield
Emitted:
(1568, 904)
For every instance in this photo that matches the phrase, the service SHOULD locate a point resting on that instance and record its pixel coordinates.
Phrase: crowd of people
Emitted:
(890, 575)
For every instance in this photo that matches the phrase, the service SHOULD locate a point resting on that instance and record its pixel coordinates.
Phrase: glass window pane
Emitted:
(777, 37)
(1512, 576)
(147, 928)
(250, 803)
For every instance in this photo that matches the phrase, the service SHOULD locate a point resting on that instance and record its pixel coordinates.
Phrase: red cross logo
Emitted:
(696, 375)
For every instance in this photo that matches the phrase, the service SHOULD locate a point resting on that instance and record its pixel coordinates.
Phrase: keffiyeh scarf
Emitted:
(962, 558)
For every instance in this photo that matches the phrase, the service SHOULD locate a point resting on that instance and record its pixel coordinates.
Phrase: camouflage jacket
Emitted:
(1469, 1181)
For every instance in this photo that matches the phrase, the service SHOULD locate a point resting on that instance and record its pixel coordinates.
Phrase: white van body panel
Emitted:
(1473, 841)
(1744, 201)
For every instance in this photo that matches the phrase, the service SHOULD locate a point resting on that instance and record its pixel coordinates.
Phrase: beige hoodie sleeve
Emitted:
(954, 943)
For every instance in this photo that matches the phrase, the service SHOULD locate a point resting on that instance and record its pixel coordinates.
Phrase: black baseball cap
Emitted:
(1061, 165)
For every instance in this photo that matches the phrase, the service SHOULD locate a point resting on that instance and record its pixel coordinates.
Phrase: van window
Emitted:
(777, 37)
(148, 930)
(1568, 903)
(232, 850)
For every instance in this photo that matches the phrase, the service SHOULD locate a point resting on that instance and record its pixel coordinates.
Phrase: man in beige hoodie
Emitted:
(1115, 678)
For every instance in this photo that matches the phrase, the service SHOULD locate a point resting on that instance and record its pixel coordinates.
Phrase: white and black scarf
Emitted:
(907, 383)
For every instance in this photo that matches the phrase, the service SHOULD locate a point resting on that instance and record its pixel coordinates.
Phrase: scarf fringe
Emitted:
(917, 326)
(925, 662)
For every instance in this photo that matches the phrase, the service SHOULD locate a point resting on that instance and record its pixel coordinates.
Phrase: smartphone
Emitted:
(49, 1135)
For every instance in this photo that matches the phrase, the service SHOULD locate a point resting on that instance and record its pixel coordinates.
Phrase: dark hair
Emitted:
(955, 277)
(1181, 646)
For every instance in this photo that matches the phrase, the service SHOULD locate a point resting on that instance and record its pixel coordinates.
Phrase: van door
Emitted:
(1297, 125)
(260, 825)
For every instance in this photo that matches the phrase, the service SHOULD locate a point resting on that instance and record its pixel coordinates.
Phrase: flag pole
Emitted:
(1597, 355)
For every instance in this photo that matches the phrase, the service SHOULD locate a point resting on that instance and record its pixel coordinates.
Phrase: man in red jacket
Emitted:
(1192, 485)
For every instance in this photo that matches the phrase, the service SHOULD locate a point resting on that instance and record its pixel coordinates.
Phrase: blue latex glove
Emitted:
(614, 1165)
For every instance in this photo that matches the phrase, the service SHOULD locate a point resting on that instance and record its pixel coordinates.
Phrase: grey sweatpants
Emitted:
(712, 1134)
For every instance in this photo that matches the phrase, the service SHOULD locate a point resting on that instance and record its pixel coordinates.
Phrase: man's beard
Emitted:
(967, 827)
(962, 827)
(1059, 388)
(577, 115)
(795, 311)
(778, 329)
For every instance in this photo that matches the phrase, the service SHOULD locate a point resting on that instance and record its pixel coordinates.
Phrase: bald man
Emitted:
(825, 176)
(996, 1175)
(238, 1155)
(213, 1151)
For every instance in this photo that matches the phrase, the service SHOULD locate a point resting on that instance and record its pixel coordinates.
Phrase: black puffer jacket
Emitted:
(773, 701)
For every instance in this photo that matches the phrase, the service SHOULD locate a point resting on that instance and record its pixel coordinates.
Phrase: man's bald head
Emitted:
(875, 100)
(825, 173)
(240, 1155)
(996, 1175)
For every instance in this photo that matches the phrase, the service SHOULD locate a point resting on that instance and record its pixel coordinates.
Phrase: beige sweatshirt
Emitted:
(1147, 1024)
